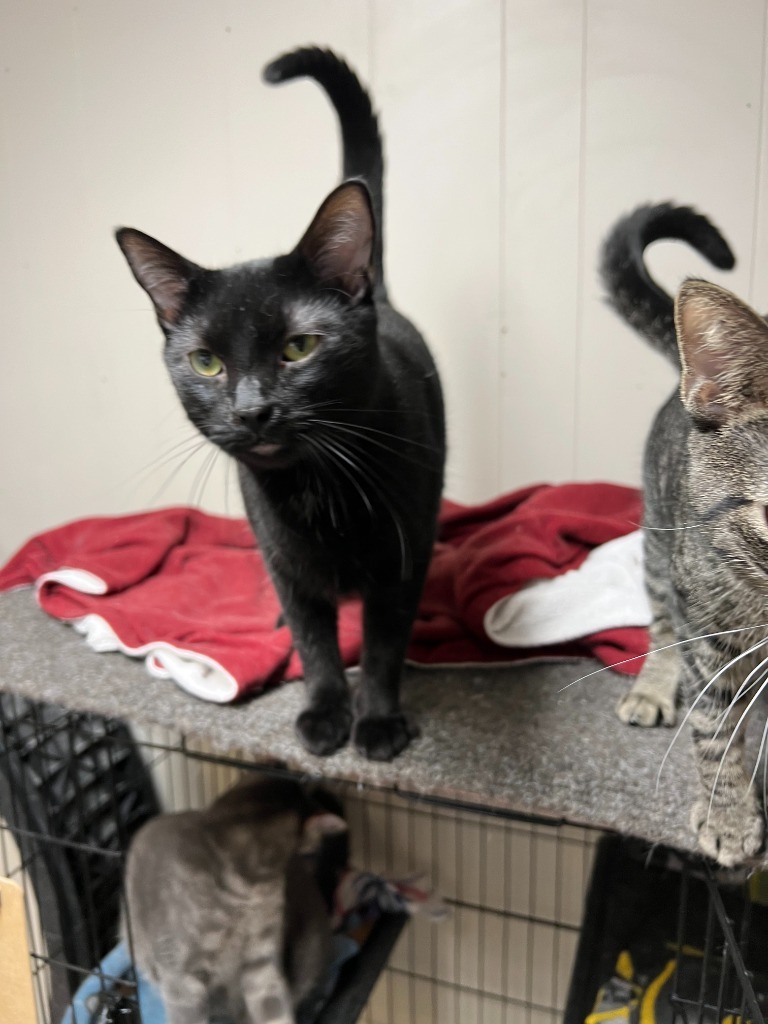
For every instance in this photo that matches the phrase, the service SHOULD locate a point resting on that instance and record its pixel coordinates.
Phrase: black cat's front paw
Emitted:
(324, 728)
(382, 737)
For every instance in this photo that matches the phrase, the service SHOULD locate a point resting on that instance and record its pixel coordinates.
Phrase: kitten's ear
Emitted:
(724, 352)
(317, 826)
(338, 244)
(163, 274)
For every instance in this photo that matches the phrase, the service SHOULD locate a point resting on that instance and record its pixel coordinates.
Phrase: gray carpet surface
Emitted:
(518, 738)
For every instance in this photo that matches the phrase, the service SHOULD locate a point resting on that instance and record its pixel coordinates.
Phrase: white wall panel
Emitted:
(516, 132)
(541, 276)
(437, 73)
(672, 96)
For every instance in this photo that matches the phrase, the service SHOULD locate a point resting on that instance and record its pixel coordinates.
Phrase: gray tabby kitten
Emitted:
(223, 913)
(706, 535)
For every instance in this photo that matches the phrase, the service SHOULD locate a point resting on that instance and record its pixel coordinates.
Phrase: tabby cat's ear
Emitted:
(724, 353)
(163, 274)
(338, 245)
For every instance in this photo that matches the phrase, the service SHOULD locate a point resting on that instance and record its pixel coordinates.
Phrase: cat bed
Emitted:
(372, 910)
(133, 584)
(114, 991)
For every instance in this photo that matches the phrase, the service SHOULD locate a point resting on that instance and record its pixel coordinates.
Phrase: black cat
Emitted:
(330, 402)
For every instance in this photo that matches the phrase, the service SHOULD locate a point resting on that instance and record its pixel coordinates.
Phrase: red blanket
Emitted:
(179, 583)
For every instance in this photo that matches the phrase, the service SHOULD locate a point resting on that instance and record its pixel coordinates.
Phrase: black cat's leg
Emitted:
(381, 729)
(325, 723)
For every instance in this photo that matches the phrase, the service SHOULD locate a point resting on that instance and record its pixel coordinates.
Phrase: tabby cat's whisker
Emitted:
(743, 689)
(669, 529)
(731, 738)
(704, 689)
(666, 647)
(760, 758)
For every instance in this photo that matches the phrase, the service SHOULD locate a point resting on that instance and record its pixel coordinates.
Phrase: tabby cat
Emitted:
(330, 402)
(706, 529)
(224, 914)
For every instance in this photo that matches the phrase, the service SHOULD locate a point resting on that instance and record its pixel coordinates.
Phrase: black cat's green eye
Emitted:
(299, 347)
(205, 363)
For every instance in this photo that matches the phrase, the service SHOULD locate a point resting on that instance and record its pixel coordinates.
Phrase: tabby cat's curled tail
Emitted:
(632, 292)
(361, 141)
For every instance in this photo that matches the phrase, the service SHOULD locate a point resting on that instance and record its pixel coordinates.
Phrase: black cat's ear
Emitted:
(724, 353)
(163, 274)
(338, 245)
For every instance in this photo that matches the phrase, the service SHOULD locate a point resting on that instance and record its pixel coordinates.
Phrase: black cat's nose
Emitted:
(250, 405)
(255, 416)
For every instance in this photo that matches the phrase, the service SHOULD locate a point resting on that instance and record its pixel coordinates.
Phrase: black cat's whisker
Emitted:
(360, 446)
(174, 451)
(376, 411)
(376, 430)
(353, 432)
(702, 692)
(666, 647)
(177, 469)
(227, 483)
(327, 465)
(381, 493)
(366, 470)
(203, 476)
(339, 461)
(347, 465)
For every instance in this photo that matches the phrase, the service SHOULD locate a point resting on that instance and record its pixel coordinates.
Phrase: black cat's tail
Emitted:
(632, 292)
(363, 155)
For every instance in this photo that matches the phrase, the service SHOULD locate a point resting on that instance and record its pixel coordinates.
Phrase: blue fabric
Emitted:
(99, 987)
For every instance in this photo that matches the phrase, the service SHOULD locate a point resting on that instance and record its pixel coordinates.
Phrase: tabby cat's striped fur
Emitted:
(706, 535)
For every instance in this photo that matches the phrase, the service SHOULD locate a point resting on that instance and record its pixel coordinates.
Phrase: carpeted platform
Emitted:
(509, 738)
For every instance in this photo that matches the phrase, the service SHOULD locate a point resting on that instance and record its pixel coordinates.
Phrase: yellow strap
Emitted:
(624, 966)
(17, 1003)
(651, 994)
(617, 1013)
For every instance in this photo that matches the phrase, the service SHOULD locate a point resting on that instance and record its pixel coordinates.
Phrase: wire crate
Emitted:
(74, 788)
(673, 939)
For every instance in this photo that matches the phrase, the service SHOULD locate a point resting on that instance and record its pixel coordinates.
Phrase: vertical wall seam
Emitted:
(503, 334)
(757, 210)
(580, 237)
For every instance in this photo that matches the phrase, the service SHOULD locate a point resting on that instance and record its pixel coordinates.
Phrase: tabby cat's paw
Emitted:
(729, 834)
(382, 737)
(323, 728)
(645, 707)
